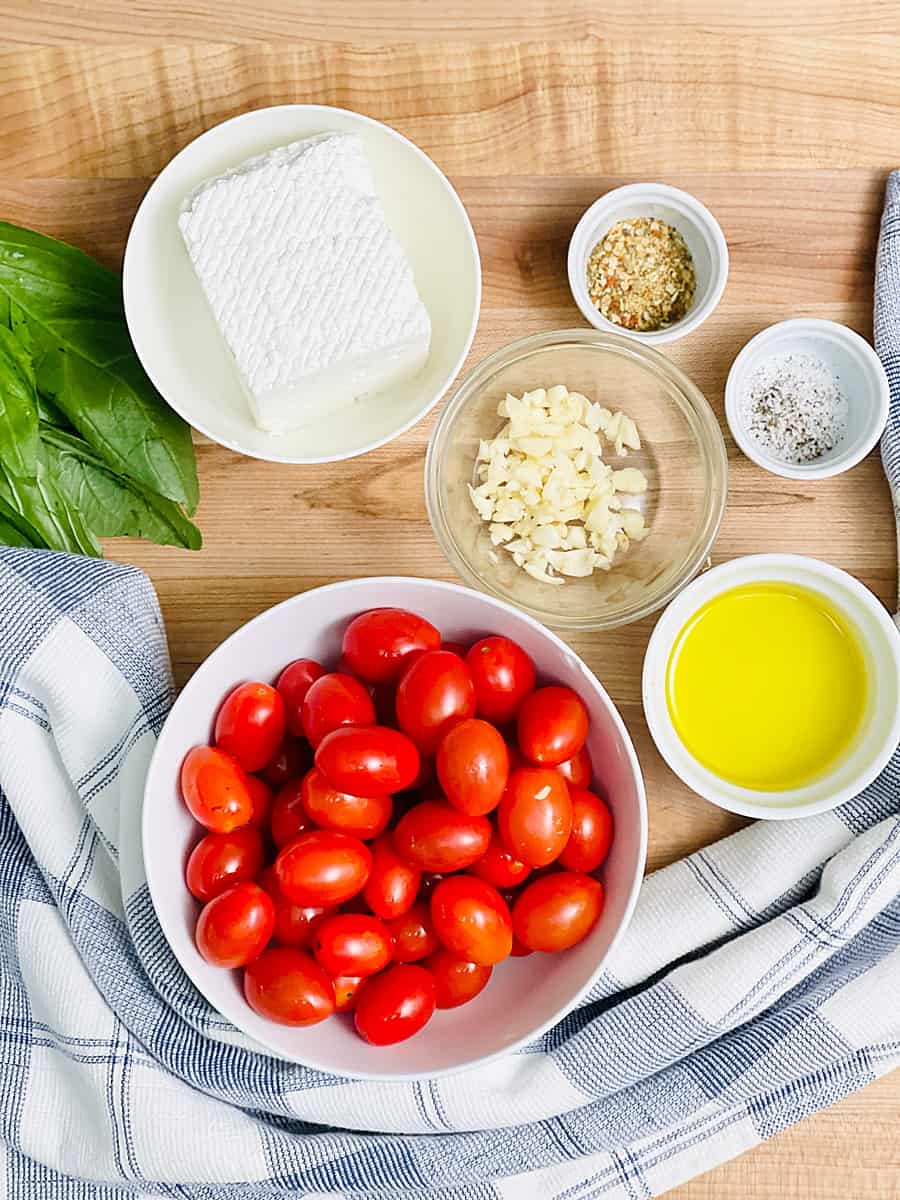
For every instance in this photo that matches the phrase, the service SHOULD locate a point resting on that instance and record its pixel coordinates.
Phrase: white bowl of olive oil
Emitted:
(771, 686)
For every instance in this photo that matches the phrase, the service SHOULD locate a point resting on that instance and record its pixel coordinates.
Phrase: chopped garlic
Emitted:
(629, 479)
(548, 497)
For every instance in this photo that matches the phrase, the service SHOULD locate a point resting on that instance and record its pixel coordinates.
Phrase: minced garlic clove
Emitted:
(547, 495)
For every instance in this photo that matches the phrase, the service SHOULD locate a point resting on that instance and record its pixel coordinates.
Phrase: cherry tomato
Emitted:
(292, 760)
(519, 949)
(429, 882)
(577, 770)
(425, 777)
(535, 815)
(395, 1004)
(234, 927)
(293, 683)
(343, 668)
(472, 920)
(433, 695)
(268, 881)
(250, 725)
(221, 859)
(393, 884)
(455, 980)
(288, 819)
(323, 867)
(456, 648)
(473, 766)
(516, 758)
(346, 990)
(557, 910)
(592, 833)
(261, 797)
(383, 695)
(287, 986)
(363, 816)
(332, 701)
(552, 725)
(413, 934)
(437, 837)
(352, 944)
(377, 644)
(370, 761)
(215, 789)
(498, 867)
(293, 922)
(503, 675)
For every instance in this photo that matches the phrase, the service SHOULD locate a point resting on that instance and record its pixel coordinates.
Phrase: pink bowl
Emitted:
(525, 995)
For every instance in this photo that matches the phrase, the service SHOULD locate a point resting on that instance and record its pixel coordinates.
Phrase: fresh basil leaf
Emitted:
(17, 322)
(19, 439)
(15, 530)
(50, 414)
(84, 361)
(42, 505)
(110, 504)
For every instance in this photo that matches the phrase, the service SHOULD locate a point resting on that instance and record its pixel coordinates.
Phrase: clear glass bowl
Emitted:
(682, 455)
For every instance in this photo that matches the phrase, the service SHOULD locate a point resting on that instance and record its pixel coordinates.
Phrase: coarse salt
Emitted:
(794, 408)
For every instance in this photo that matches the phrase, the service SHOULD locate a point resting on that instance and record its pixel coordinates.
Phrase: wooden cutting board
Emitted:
(533, 110)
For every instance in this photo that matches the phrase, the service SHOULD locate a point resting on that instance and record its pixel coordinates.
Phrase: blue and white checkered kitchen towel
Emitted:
(759, 980)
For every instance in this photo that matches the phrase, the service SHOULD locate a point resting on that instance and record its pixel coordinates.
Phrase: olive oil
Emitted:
(767, 686)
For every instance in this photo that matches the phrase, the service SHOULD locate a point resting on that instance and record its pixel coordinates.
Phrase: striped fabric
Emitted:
(759, 980)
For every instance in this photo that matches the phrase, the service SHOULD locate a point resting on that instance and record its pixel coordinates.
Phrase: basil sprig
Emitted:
(88, 448)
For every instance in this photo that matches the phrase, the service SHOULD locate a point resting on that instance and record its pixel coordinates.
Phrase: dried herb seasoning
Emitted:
(641, 276)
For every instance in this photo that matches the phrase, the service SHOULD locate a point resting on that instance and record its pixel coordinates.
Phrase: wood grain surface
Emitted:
(788, 138)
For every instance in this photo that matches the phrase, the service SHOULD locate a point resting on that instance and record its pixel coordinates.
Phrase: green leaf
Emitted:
(42, 505)
(18, 407)
(15, 530)
(112, 505)
(72, 310)
(50, 414)
(18, 323)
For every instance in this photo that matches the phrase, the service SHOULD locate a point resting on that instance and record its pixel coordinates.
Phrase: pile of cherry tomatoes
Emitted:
(382, 835)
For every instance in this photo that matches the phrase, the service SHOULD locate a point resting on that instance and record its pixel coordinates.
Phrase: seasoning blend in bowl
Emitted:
(641, 275)
(794, 408)
(649, 261)
(806, 399)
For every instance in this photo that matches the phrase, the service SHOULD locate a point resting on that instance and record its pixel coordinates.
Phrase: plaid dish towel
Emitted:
(758, 982)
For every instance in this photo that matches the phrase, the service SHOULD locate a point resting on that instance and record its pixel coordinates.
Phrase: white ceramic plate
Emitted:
(173, 329)
(525, 996)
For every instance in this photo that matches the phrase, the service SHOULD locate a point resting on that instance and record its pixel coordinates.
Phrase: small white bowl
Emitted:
(180, 345)
(880, 643)
(859, 372)
(696, 224)
(525, 995)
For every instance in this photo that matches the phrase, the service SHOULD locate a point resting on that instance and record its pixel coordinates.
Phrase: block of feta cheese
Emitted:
(311, 290)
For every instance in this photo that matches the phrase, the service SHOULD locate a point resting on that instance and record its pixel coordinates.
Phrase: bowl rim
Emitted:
(715, 582)
(155, 779)
(709, 436)
(705, 224)
(131, 299)
(858, 347)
